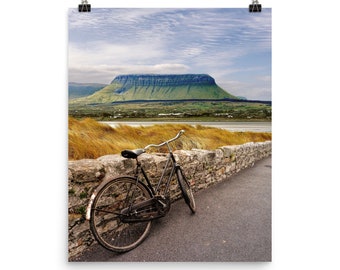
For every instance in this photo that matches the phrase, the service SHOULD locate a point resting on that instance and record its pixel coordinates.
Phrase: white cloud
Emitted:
(106, 73)
(251, 90)
(95, 53)
(169, 68)
(223, 43)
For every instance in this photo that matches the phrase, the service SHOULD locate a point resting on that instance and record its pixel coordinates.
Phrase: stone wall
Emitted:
(202, 168)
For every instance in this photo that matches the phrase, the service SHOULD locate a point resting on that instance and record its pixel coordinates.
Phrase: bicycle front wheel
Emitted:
(186, 190)
(105, 222)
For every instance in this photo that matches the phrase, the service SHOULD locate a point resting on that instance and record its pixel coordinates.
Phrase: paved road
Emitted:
(232, 223)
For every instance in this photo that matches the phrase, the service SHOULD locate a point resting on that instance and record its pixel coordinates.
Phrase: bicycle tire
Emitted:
(186, 190)
(107, 226)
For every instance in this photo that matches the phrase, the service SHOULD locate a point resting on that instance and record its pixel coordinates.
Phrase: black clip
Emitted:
(255, 6)
(84, 6)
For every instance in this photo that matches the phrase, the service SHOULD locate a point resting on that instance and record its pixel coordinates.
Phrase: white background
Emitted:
(33, 144)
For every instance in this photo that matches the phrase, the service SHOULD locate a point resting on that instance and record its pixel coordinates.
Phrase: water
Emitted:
(231, 126)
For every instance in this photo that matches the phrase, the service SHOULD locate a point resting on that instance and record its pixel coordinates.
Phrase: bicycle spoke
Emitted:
(123, 207)
(107, 220)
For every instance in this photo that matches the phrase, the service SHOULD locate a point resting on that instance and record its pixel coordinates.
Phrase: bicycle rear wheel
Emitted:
(105, 222)
(186, 190)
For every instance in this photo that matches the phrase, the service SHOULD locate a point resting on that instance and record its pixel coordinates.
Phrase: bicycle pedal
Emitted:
(163, 203)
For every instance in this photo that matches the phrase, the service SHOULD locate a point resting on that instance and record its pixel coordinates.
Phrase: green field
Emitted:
(174, 110)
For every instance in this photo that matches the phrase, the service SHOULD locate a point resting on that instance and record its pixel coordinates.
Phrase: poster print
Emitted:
(138, 77)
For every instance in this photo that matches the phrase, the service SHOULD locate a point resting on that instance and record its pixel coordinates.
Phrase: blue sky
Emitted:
(231, 45)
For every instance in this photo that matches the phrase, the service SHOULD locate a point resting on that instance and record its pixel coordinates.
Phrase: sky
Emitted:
(230, 44)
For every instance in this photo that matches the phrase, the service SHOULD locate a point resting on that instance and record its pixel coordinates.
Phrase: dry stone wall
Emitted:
(202, 168)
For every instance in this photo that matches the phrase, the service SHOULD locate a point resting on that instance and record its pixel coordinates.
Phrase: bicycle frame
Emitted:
(139, 168)
(124, 201)
(175, 166)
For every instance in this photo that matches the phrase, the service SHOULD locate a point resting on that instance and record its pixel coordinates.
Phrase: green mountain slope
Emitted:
(76, 90)
(157, 87)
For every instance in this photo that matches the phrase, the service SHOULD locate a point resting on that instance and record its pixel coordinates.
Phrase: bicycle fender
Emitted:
(106, 179)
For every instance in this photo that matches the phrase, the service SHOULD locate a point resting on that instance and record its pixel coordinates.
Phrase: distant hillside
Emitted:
(158, 87)
(76, 90)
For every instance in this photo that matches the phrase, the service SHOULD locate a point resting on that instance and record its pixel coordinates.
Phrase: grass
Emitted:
(90, 139)
(184, 110)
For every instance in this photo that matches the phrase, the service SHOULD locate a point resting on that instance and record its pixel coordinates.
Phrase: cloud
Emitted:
(252, 90)
(113, 53)
(106, 73)
(228, 44)
(100, 61)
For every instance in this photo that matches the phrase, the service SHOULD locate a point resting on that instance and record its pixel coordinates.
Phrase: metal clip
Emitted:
(255, 6)
(84, 6)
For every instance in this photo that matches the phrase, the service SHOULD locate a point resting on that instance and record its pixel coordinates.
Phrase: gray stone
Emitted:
(202, 168)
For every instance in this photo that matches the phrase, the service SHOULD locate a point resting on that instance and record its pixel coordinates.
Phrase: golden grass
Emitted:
(90, 139)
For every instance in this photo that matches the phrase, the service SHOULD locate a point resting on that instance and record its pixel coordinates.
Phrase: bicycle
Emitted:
(121, 209)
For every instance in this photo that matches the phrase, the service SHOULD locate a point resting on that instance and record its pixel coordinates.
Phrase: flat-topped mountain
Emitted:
(158, 87)
(164, 80)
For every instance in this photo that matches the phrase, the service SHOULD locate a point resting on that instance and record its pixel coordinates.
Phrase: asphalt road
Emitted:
(232, 223)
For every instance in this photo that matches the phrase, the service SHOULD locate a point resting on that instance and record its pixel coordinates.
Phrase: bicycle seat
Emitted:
(132, 153)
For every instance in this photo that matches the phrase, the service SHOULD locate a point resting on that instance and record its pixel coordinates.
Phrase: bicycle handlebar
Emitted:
(166, 142)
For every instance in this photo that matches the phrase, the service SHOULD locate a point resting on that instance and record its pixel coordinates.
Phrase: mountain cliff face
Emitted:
(159, 87)
(143, 80)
